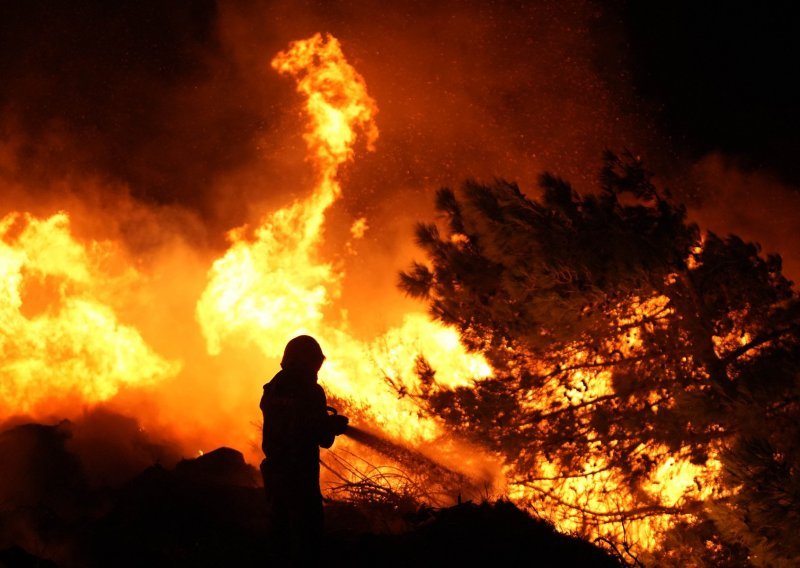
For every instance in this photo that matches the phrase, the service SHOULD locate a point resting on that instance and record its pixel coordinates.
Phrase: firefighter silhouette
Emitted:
(297, 422)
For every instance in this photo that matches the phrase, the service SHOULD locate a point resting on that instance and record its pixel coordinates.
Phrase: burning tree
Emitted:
(646, 373)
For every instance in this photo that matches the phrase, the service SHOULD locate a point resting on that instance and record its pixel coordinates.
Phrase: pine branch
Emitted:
(757, 342)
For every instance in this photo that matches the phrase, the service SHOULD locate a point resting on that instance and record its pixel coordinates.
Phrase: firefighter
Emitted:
(296, 424)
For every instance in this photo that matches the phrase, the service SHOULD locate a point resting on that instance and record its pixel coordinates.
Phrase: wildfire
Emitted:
(62, 337)
(273, 284)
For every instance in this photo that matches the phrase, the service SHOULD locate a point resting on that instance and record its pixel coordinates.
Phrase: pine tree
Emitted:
(622, 337)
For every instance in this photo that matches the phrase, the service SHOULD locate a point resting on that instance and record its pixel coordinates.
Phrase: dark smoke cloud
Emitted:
(724, 96)
(92, 85)
(757, 206)
(139, 96)
(99, 448)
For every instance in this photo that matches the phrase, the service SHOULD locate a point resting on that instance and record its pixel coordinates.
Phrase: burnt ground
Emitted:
(209, 511)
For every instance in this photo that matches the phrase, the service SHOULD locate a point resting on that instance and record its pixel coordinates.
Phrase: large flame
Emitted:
(274, 284)
(60, 339)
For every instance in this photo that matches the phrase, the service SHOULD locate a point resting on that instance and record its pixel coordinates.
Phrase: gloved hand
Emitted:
(338, 424)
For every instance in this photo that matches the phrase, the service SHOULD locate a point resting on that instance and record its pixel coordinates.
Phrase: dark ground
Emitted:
(209, 511)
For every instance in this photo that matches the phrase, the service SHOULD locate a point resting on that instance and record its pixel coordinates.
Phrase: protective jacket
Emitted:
(296, 423)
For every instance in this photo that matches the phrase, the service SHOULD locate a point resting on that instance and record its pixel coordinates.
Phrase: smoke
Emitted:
(755, 205)
(101, 448)
(121, 93)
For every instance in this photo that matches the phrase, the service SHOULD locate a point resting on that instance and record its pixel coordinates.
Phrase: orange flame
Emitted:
(337, 102)
(65, 342)
(592, 504)
(273, 285)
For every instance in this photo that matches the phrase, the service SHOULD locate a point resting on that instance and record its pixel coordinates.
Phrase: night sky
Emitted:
(175, 104)
(722, 80)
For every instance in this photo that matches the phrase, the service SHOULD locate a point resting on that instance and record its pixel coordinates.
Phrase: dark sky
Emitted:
(723, 79)
(175, 101)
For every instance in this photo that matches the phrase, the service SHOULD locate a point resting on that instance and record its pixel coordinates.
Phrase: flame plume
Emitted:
(273, 284)
(276, 281)
(337, 103)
